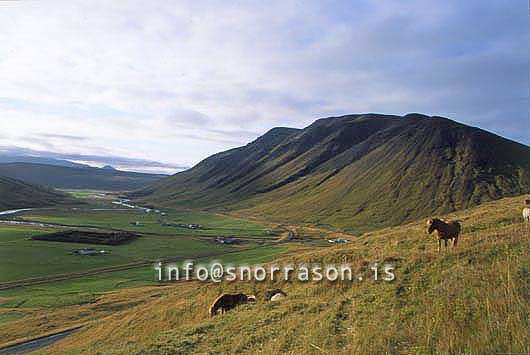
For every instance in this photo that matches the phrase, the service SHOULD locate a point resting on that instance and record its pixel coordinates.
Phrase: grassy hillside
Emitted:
(473, 300)
(357, 172)
(17, 194)
(63, 177)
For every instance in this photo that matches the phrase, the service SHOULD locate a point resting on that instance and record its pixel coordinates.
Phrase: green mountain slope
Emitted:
(17, 194)
(77, 178)
(356, 172)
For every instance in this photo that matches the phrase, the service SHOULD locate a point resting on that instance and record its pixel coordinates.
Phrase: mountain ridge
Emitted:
(355, 171)
(18, 194)
(6, 158)
(66, 177)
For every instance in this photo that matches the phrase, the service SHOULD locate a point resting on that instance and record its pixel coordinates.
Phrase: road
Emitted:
(36, 343)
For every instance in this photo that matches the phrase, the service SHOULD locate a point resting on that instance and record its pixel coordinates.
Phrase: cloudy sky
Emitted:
(160, 85)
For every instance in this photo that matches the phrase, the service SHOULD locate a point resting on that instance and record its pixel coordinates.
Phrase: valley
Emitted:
(44, 274)
(264, 177)
(78, 263)
(155, 240)
(483, 284)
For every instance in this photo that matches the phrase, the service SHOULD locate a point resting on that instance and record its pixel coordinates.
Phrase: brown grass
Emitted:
(473, 300)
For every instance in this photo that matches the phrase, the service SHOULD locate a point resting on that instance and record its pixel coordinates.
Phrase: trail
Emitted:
(36, 343)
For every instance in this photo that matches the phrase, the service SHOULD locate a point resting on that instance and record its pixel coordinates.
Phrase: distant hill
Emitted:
(40, 160)
(356, 172)
(16, 194)
(78, 178)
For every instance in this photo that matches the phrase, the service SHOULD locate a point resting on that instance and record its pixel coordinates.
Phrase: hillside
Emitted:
(17, 194)
(62, 177)
(473, 300)
(356, 172)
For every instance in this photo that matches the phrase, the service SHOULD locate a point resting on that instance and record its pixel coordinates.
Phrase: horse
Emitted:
(446, 231)
(226, 302)
(526, 214)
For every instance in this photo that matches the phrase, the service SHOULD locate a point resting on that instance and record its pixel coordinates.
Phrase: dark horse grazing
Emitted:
(446, 231)
(226, 302)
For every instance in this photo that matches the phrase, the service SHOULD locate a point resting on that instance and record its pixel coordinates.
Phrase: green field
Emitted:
(472, 299)
(23, 258)
(26, 258)
(213, 225)
(10, 316)
(85, 289)
(83, 194)
(32, 258)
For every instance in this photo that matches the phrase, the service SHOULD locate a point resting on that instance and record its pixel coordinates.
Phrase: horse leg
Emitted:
(455, 242)
(445, 245)
(439, 246)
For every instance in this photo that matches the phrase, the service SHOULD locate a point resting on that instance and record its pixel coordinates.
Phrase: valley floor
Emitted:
(471, 300)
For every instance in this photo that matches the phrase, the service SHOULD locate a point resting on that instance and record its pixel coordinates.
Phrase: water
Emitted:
(8, 212)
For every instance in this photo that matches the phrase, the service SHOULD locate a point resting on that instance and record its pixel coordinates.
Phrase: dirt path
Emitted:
(36, 343)
(284, 225)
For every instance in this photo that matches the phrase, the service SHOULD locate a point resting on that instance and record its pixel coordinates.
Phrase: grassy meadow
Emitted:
(87, 288)
(213, 225)
(472, 300)
(22, 258)
(25, 258)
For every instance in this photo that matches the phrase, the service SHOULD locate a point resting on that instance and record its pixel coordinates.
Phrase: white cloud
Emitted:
(177, 81)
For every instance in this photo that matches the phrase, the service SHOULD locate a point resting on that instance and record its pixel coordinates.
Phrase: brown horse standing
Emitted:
(446, 231)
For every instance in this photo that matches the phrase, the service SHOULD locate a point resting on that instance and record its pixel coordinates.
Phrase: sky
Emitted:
(158, 86)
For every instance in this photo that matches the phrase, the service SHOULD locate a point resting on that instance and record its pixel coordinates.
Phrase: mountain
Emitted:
(109, 167)
(40, 160)
(78, 178)
(17, 194)
(356, 172)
